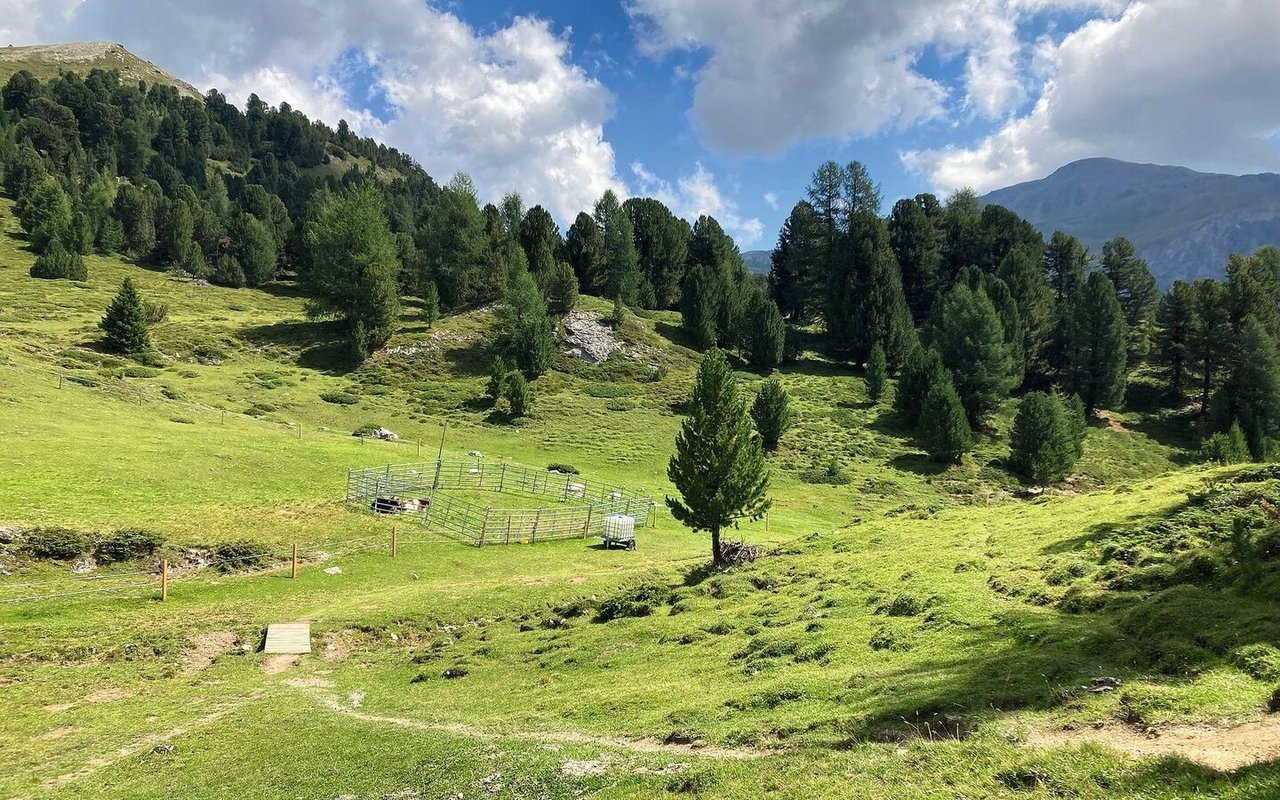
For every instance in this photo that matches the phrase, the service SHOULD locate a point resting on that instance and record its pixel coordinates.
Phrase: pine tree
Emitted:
(56, 263)
(1211, 340)
(796, 263)
(497, 379)
(1077, 422)
(764, 334)
(967, 334)
(922, 370)
(1252, 394)
(877, 372)
(561, 288)
(1025, 277)
(700, 301)
(584, 247)
(124, 326)
(714, 261)
(1175, 325)
(523, 326)
(865, 301)
(1065, 262)
(622, 263)
(943, 430)
(1137, 293)
(455, 247)
(353, 268)
(430, 303)
(227, 271)
(1226, 448)
(772, 413)
(719, 464)
(1042, 444)
(518, 393)
(1097, 350)
(917, 245)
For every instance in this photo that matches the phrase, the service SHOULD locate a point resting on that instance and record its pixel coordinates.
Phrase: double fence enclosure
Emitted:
(529, 505)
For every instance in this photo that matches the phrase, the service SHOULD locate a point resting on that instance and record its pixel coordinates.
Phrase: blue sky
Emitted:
(726, 106)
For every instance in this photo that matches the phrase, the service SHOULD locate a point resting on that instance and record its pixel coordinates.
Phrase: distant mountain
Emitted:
(1185, 223)
(47, 61)
(757, 260)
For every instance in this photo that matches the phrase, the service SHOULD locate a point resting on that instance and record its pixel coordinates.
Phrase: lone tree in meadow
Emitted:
(944, 428)
(772, 413)
(719, 466)
(124, 326)
(877, 372)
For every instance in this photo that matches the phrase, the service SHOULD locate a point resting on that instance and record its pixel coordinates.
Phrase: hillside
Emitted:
(47, 61)
(1185, 223)
(917, 626)
(758, 261)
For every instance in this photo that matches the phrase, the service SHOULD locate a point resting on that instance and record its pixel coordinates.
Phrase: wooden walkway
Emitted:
(288, 637)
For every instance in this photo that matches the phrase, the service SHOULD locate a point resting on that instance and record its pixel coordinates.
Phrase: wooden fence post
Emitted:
(164, 579)
(395, 541)
(293, 570)
(586, 528)
(59, 380)
(536, 519)
(419, 447)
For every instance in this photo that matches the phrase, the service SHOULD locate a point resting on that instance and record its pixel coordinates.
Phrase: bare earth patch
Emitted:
(205, 648)
(274, 665)
(56, 733)
(338, 645)
(108, 695)
(1225, 749)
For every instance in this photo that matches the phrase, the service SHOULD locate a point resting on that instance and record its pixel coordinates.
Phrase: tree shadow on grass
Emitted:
(286, 289)
(320, 345)
(918, 464)
(674, 334)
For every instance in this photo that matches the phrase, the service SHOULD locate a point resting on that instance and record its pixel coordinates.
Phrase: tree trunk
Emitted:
(715, 546)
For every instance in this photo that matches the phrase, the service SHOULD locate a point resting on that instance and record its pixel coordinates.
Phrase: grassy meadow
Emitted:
(912, 632)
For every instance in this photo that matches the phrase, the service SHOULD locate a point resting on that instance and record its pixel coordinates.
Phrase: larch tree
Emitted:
(719, 464)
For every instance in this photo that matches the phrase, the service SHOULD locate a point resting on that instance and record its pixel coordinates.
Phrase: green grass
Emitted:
(911, 601)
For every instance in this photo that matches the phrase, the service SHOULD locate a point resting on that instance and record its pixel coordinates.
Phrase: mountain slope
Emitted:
(47, 61)
(1185, 223)
(758, 260)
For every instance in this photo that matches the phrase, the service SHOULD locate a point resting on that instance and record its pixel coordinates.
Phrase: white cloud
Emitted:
(1188, 82)
(696, 194)
(771, 200)
(505, 104)
(780, 72)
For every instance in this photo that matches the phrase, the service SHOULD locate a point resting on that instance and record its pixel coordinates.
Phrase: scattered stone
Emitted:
(1104, 684)
(491, 784)
(9, 534)
(333, 571)
(84, 565)
(588, 338)
(378, 433)
(164, 749)
(356, 699)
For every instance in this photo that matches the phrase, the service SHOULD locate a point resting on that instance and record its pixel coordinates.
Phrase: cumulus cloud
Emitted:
(780, 72)
(695, 194)
(1189, 82)
(505, 104)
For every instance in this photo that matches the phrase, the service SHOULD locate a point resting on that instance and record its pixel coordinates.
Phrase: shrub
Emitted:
(1261, 661)
(127, 545)
(636, 602)
(1226, 448)
(1043, 445)
(340, 398)
(563, 469)
(155, 313)
(56, 544)
(239, 555)
(227, 271)
(831, 475)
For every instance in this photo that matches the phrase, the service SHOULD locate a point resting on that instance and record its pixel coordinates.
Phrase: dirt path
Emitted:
(335, 704)
(149, 741)
(1225, 749)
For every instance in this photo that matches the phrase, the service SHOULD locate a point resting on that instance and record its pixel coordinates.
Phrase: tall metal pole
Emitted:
(435, 484)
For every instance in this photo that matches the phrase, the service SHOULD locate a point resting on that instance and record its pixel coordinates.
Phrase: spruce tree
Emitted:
(719, 464)
(967, 334)
(1042, 444)
(1097, 346)
(877, 372)
(523, 326)
(943, 430)
(772, 413)
(922, 370)
(124, 326)
(561, 288)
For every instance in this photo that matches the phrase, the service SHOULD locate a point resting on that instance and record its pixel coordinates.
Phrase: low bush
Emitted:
(56, 544)
(639, 601)
(57, 263)
(831, 475)
(563, 469)
(340, 398)
(156, 313)
(239, 555)
(1261, 661)
(127, 545)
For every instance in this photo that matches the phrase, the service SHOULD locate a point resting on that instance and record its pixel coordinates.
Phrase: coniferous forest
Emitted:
(965, 304)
